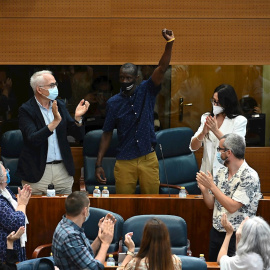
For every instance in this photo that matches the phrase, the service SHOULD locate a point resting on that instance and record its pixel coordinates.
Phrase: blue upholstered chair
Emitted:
(192, 263)
(177, 228)
(45, 263)
(179, 162)
(90, 150)
(91, 227)
(12, 144)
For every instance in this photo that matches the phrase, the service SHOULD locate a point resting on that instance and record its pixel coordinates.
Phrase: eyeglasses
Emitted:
(223, 149)
(214, 102)
(52, 85)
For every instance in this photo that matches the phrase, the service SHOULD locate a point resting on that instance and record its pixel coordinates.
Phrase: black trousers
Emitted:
(216, 241)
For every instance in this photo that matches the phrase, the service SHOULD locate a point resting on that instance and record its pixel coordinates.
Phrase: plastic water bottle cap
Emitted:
(110, 255)
(96, 186)
(105, 188)
(201, 255)
(182, 187)
(50, 186)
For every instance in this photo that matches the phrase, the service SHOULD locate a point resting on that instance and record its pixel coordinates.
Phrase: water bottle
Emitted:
(50, 191)
(105, 193)
(110, 261)
(96, 192)
(202, 257)
(182, 193)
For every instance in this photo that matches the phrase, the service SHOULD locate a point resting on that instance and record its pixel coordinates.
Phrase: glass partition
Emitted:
(185, 93)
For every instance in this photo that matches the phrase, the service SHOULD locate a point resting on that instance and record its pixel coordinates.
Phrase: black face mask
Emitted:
(126, 87)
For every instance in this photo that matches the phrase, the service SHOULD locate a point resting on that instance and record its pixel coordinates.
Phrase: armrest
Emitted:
(82, 184)
(171, 186)
(45, 249)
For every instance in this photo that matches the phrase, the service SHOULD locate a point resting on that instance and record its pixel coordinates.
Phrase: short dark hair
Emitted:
(130, 69)
(75, 203)
(227, 99)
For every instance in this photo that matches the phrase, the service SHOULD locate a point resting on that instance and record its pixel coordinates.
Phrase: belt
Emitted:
(54, 162)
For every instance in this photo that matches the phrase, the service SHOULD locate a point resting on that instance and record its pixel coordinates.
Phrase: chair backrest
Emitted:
(12, 144)
(179, 162)
(91, 227)
(90, 150)
(177, 228)
(192, 263)
(45, 263)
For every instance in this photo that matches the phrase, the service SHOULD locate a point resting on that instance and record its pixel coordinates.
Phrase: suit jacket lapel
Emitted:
(37, 111)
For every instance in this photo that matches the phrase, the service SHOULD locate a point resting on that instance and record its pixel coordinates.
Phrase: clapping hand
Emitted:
(129, 242)
(226, 224)
(211, 123)
(107, 217)
(14, 236)
(82, 108)
(105, 233)
(205, 180)
(24, 195)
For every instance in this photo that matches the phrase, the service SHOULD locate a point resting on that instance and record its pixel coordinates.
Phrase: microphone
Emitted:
(160, 147)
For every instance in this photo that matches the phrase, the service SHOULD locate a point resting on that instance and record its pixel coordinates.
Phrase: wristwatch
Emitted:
(78, 122)
(130, 253)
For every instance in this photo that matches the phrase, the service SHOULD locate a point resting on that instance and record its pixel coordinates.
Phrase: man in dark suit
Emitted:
(45, 123)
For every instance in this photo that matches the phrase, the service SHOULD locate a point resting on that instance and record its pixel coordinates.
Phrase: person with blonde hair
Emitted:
(155, 250)
(252, 244)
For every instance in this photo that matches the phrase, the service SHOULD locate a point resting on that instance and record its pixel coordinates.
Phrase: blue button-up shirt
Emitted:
(53, 146)
(133, 116)
(71, 248)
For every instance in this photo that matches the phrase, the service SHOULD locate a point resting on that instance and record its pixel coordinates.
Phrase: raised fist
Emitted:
(167, 34)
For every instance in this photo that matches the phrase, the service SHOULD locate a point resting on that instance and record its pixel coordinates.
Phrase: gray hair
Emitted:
(1, 175)
(255, 238)
(130, 69)
(236, 144)
(37, 79)
(1, 171)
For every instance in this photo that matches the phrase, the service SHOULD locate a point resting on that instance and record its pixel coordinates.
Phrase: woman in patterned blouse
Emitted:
(12, 214)
(155, 250)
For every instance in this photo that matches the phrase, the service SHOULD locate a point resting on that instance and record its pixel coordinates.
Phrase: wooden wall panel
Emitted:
(52, 41)
(138, 8)
(115, 41)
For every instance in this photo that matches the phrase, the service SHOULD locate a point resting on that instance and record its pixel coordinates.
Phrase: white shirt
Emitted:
(210, 163)
(249, 261)
(53, 146)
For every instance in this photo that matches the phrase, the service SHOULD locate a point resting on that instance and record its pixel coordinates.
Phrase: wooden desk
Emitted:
(210, 265)
(44, 214)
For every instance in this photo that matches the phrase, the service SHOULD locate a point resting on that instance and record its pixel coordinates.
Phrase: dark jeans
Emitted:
(216, 241)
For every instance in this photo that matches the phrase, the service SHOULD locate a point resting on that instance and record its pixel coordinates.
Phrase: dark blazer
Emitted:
(32, 161)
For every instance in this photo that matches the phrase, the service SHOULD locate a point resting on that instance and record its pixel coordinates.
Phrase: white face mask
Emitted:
(217, 110)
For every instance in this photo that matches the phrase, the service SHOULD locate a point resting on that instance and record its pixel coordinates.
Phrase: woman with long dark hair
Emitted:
(155, 250)
(224, 118)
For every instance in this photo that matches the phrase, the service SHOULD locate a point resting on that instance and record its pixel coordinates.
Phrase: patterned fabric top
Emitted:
(177, 264)
(10, 220)
(133, 116)
(71, 248)
(243, 187)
